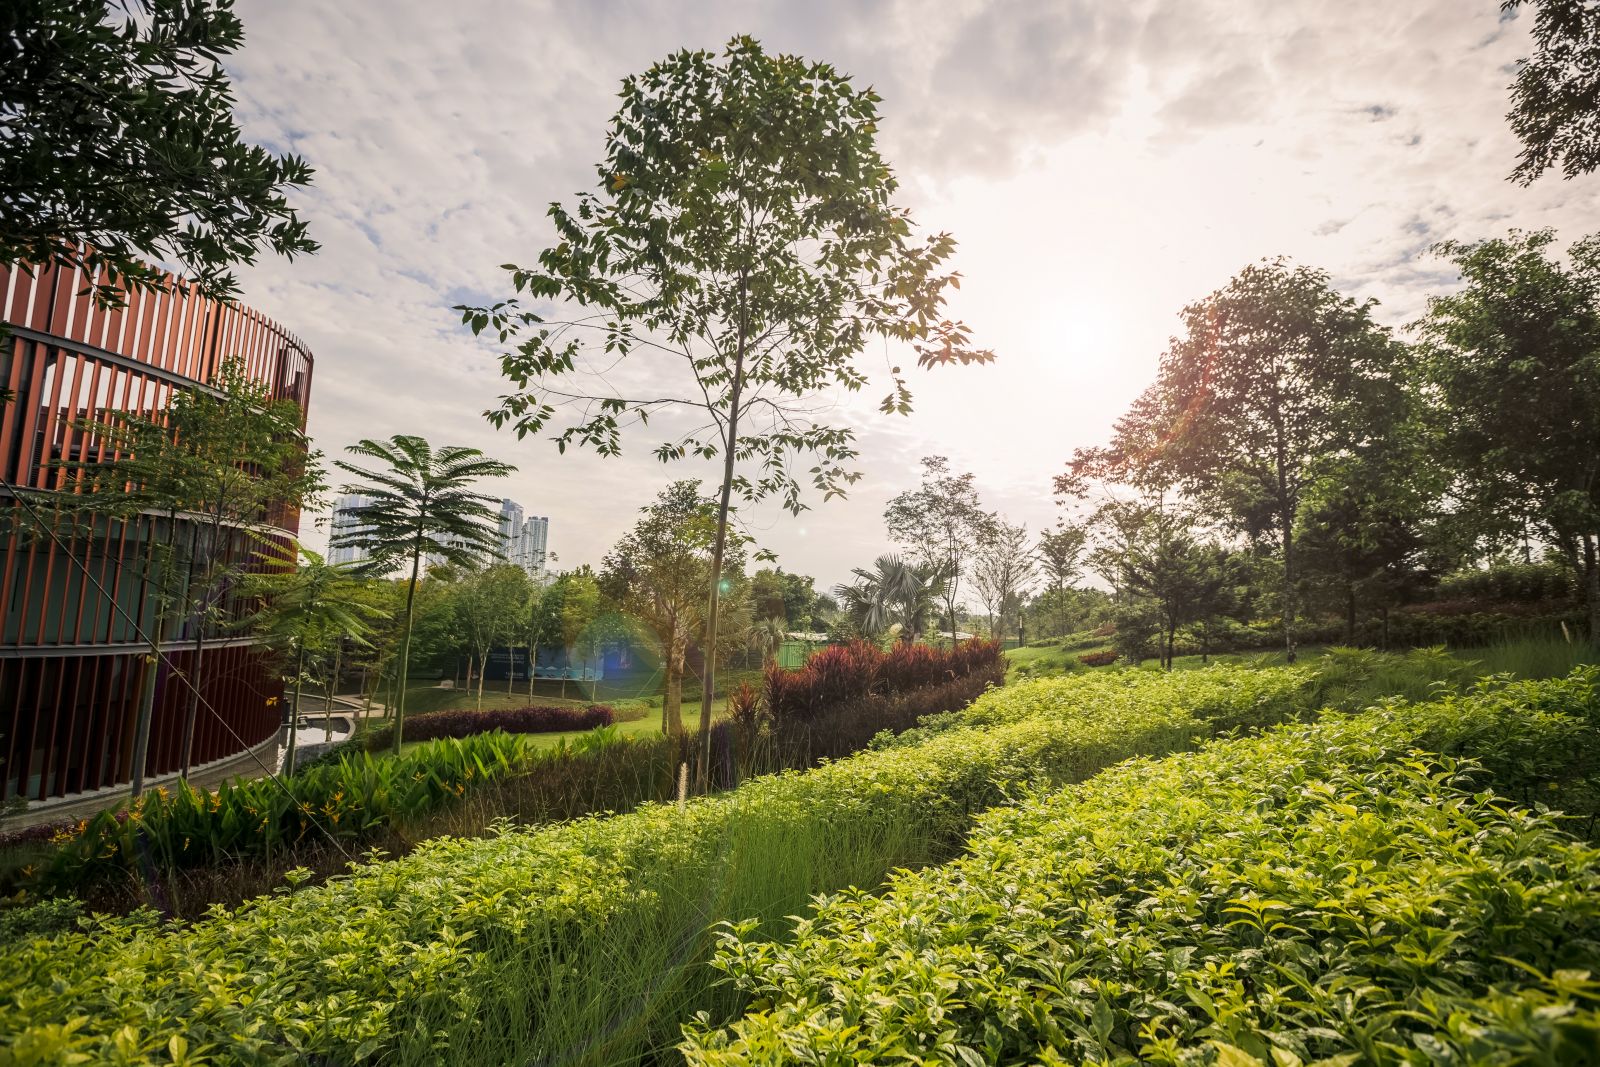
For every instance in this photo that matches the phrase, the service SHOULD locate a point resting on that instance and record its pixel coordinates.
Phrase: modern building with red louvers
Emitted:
(72, 610)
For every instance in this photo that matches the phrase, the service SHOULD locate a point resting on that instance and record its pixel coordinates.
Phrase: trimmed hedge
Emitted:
(1324, 894)
(462, 722)
(584, 942)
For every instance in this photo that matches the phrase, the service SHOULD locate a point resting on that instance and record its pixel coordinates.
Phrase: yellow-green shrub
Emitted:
(1327, 894)
(584, 942)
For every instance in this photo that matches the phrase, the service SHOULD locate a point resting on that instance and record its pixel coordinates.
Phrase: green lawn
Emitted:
(623, 696)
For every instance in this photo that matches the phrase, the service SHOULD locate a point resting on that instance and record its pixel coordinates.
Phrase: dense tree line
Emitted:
(1294, 456)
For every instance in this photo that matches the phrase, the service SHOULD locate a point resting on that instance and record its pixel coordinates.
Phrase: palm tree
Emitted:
(892, 592)
(767, 636)
(420, 505)
(314, 605)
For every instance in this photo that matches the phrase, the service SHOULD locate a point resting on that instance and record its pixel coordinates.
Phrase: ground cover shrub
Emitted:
(185, 827)
(1345, 892)
(1099, 659)
(585, 941)
(461, 722)
(1212, 700)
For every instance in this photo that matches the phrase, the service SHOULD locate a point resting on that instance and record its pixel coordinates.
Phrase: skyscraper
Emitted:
(510, 527)
(532, 549)
(347, 521)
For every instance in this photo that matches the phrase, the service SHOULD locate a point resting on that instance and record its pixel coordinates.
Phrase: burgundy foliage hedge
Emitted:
(460, 722)
(841, 675)
(1098, 659)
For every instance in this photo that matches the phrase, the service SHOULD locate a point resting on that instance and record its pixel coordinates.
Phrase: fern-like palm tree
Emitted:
(420, 503)
(767, 636)
(892, 592)
(306, 603)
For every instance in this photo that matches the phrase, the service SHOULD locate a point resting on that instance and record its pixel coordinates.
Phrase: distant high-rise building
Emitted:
(523, 540)
(532, 555)
(347, 521)
(510, 527)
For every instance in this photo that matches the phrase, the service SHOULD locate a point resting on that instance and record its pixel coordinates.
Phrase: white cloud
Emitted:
(1102, 165)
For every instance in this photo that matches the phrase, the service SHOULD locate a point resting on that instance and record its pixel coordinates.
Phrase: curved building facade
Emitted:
(73, 608)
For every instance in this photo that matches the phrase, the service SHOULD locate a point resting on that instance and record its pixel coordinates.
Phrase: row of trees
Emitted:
(1291, 438)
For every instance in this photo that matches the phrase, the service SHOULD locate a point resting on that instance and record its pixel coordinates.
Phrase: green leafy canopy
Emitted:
(743, 230)
(121, 146)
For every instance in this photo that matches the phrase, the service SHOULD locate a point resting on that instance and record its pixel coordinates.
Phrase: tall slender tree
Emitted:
(1061, 554)
(421, 503)
(1004, 567)
(941, 525)
(743, 229)
(489, 605)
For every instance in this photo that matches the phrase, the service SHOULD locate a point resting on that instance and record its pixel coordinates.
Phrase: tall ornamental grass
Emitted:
(580, 943)
(1334, 894)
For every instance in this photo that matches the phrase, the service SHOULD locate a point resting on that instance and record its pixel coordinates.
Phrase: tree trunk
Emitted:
(399, 708)
(533, 667)
(191, 711)
(333, 684)
(708, 682)
(1350, 614)
(672, 697)
(1591, 587)
(294, 711)
(1288, 593)
(483, 668)
(147, 688)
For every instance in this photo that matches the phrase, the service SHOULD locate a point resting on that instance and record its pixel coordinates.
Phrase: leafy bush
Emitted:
(1099, 659)
(37, 918)
(185, 827)
(527, 946)
(461, 722)
(1524, 582)
(1206, 702)
(1323, 893)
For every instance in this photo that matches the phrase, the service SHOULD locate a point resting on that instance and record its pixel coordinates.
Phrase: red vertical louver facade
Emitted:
(71, 612)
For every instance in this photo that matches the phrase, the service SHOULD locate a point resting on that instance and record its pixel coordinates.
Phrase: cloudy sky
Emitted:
(1101, 164)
